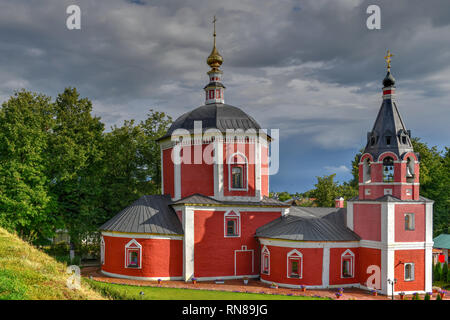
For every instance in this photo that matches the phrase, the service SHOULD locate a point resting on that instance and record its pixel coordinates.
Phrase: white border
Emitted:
(265, 251)
(117, 275)
(348, 253)
(139, 247)
(300, 256)
(230, 188)
(238, 215)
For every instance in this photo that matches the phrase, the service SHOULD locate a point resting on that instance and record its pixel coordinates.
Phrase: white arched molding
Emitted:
(348, 255)
(133, 246)
(265, 260)
(232, 215)
(102, 250)
(242, 161)
(294, 255)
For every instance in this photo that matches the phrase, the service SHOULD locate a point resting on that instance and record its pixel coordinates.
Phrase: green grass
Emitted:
(127, 292)
(28, 273)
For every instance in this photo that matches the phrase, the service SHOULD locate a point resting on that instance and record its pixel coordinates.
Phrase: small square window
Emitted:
(409, 221)
(387, 191)
(408, 192)
(367, 192)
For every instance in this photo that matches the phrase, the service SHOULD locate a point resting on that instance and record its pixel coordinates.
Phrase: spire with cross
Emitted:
(215, 89)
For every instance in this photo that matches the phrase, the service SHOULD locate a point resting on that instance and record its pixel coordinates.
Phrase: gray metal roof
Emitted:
(309, 224)
(217, 115)
(148, 214)
(204, 200)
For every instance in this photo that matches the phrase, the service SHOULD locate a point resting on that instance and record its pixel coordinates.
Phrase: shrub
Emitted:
(444, 273)
(415, 296)
(437, 272)
(427, 296)
(438, 297)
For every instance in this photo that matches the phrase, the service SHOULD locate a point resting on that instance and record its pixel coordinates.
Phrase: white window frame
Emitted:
(229, 214)
(265, 252)
(412, 221)
(289, 256)
(138, 247)
(348, 254)
(412, 272)
(102, 250)
(230, 174)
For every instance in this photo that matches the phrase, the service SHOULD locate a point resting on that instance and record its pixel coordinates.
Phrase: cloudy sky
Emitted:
(310, 68)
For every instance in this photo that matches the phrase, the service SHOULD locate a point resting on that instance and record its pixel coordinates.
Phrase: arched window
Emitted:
(409, 271)
(265, 260)
(347, 264)
(294, 264)
(410, 163)
(232, 224)
(102, 250)
(388, 169)
(133, 254)
(237, 168)
(366, 170)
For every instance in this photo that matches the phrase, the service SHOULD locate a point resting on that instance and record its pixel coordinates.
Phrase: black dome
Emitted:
(220, 116)
(389, 80)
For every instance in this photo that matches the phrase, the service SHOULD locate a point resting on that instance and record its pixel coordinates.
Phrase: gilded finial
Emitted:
(214, 60)
(388, 60)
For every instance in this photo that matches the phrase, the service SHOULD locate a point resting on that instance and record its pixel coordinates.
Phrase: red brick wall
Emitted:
(160, 257)
(366, 258)
(405, 256)
(402, 235)
(335, 266)
(312, 266)
(197, 178)
(367, 221)
(215, 254)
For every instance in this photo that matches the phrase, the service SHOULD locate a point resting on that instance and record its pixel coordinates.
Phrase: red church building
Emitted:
(215, 219)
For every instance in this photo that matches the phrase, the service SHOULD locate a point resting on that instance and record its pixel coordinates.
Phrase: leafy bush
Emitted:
(437, 272)
(427, 296)
(444, 273)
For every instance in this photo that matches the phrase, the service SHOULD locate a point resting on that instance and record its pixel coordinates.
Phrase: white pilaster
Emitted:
(387, 240)
(428, 246)
(326, 266)
(257, 146)
(188, 243)
(176, 171)
(350, 215)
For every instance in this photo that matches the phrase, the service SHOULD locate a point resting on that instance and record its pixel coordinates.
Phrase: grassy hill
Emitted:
(27, 273)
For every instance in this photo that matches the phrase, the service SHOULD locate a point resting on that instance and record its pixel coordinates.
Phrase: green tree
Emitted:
(132, 165)
(76, 153)
(326, 191)
(434, 182)
(26, 205)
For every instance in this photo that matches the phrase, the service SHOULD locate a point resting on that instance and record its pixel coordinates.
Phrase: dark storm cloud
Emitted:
(310, 68)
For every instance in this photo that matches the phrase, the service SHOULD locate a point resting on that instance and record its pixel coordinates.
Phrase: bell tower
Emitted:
(394, 222)
(389, 165)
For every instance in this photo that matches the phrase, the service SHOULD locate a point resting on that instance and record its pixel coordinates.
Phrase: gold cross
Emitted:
(214, 21)
(388, 60)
